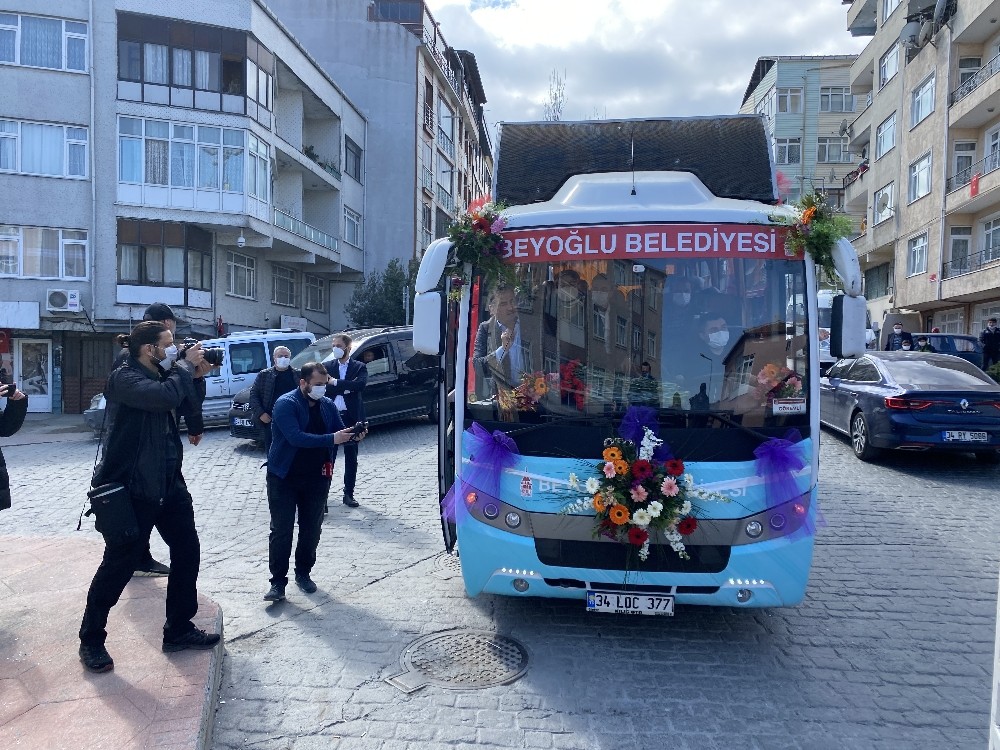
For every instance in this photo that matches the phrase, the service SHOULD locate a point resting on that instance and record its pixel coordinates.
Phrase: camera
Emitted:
(214, 355)
(359, 428)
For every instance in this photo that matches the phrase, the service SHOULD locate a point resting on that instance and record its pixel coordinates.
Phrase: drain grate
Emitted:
(448, 566)
(460, 660)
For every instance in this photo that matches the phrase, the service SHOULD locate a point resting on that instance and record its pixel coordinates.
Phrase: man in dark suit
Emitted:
(500, 353)
(348, 378)
(897, 338)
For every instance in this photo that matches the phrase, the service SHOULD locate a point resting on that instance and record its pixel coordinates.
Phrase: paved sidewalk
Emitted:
(49, 701)
(49, 428)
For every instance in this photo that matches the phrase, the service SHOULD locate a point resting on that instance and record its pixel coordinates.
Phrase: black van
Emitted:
(402, 383)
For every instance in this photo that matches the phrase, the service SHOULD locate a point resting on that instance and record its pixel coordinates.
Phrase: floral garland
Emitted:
(572, 385)
(815, 229)
(777, 381)
(477, 239)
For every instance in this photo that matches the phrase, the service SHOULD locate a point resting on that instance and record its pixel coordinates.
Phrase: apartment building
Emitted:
(931, 135)
(430, 149)
(200, 158)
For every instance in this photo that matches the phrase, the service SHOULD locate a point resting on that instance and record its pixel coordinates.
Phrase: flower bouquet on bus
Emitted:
(815, 229)
(777, 381)
(529, 393)
(477, 237)
(572, 384)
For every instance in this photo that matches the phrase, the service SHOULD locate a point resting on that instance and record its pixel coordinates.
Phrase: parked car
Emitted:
(402, 382)
(912, 401)
(966, 347)
(245, 353)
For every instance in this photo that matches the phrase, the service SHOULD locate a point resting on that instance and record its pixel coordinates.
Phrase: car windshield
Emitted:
(590, 339)
(318, 351)
(943, 372)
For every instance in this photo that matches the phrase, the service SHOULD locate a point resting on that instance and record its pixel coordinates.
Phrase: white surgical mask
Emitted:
(682, 298)
(906, 347)
(897, 329)
(718, 339)
(282, 362)
(338, 353)
(316, 392)
(170, 353)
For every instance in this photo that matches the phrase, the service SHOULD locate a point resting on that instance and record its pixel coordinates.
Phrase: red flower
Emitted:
(482, 224)
(674, 467)
(687, 525)
(637, 536)
(642, 470)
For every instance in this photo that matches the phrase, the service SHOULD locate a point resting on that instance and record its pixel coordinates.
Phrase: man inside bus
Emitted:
(499, 351)
(706, 361)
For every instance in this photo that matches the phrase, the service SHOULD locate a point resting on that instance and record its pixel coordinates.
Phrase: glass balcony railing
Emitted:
(298, 227)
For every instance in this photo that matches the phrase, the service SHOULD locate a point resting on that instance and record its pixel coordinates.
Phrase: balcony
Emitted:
(861, 17)
(985, 173)
(973, 277)
(298, 227)
(429, 118)
(446, 144)
(445, 199)
(427, 180)
(973, 103)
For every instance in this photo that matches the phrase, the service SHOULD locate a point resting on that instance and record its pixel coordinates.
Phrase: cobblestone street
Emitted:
(892, 647)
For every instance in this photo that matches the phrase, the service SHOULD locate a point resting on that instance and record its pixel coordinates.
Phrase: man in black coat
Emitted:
(500, 353)
(271, 384)
(347, 380)
(11, 419)
(990, 339)
(896, 338)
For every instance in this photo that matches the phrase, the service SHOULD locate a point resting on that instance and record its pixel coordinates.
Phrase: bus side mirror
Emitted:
(427, 323)
(849, 321)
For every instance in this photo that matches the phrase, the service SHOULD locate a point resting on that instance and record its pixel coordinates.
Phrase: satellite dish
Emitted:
(845, 126)
(926, 32)
(910, 35)
(883, 202)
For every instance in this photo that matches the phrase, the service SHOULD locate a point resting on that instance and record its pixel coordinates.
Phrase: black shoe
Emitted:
(275, 594)
(326, 508)
(151, 569)
(96, 658)
(197, 639)
(305, 583)
(349, 500)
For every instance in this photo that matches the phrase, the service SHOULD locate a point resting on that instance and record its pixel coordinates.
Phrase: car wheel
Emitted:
(988, 457)
(860, 438)
(434, 410)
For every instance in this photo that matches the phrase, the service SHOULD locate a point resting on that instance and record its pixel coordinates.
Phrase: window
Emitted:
(788, 150)
(965, 156)
(36, 148)
(650, 344)
(171, 254)
(621, 331)
(878, 281)
(888, 66)
(836, 99)
(36, 252)
(920, 177)
(283, 286)
(790, 100)
(636, 339)
(863, 371)
(961, 243)
(600, 324)
(991, 240)
(199, 270)
(315, 292)
(922, 101)
(352, 159)
(888, 6)
(247, 357)
(352, 227)
(968, 67)
(833, 150)
(241, 275)
(883, 207)
(36, 42)
(916, 255)
(885, 136)
(258, 169)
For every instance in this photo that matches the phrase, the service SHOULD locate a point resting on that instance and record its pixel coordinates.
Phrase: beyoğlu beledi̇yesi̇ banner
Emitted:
(646, 241)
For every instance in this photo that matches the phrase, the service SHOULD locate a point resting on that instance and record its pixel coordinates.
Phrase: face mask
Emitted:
(682, 298)
(316, 392)
(338, 353)
(906, 347)
(718, 339)
(991, 326)
(897, 330)
(171, 354)
(282, 362)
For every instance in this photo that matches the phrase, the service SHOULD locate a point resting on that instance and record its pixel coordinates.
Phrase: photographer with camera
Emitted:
(143, 453)
(306, 430)
(11, 419)
(189, 410)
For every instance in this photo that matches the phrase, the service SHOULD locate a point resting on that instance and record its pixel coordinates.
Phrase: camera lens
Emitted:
(214, 355)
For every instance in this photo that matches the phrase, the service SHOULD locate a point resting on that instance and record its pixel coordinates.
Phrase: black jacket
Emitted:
(350, 388)
(11, 419)
(193, 417)
(894, 342)
(990, 340)
(262, 391)
(141, 408)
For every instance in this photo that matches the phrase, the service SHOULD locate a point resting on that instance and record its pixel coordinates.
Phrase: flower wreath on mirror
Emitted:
(815, 227)
(477, 238)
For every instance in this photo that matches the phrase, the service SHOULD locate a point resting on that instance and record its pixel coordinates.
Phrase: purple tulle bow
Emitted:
(633, 427)
(777, 461)
(489, 455)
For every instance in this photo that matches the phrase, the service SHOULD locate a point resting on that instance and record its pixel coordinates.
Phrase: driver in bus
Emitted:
(704, 364)
(500, 352)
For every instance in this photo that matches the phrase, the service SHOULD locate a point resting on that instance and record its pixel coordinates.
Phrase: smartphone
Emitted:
(359, 428)
(7, 390)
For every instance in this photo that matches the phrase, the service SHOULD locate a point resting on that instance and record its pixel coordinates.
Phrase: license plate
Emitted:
(242, 422)
(627, 603)
(965, 436)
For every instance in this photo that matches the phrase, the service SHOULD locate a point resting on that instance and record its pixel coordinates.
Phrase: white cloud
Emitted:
(633, 58)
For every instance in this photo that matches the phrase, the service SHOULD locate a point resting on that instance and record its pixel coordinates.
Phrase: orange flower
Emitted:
(618, 514)
(809, 214)
(540, 386)
(599, 505)
(612, 454)
(621, 467)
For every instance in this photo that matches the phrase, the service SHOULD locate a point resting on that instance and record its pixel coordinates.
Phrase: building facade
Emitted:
(201, 159)
(930, 184)
(430, 148)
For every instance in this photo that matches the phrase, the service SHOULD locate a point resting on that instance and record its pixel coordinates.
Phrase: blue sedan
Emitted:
(912, 401)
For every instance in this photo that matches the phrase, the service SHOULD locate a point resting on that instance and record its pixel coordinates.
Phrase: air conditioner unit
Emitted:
(62, 300)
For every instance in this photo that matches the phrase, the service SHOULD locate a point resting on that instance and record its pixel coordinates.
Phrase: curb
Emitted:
(211, 695)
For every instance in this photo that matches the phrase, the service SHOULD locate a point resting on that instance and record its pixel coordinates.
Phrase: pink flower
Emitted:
(669, 487)
(609, 469)
(639, 494)
(498, 225)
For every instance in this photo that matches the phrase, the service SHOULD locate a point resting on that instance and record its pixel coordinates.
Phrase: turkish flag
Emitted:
(974, 185)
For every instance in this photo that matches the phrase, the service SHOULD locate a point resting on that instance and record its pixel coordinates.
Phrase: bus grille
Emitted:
(603, 556)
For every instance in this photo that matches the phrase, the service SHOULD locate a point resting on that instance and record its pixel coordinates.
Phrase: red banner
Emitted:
(974, 185)
(646, 241)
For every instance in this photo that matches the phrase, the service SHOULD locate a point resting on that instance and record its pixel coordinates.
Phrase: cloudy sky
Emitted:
(633, 58)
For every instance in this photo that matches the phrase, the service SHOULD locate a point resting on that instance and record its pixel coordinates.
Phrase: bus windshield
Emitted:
(586, 340)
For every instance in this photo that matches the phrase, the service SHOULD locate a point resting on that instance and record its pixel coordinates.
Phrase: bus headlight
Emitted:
(520, 585)
(491, 511)
(513, 520)
(777, 522)
(754, 529)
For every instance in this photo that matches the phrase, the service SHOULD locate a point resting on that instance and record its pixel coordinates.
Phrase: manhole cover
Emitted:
(460, 660)
(448, 566)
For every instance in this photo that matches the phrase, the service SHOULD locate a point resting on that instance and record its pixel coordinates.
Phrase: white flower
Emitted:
(641, 518)
(644, 550)
(689, 480)
(655, 508)
(593, 485)
(686, 508)
(649, 444)
(574, 483)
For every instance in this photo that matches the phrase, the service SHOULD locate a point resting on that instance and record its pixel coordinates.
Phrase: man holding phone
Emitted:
(348, 378)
